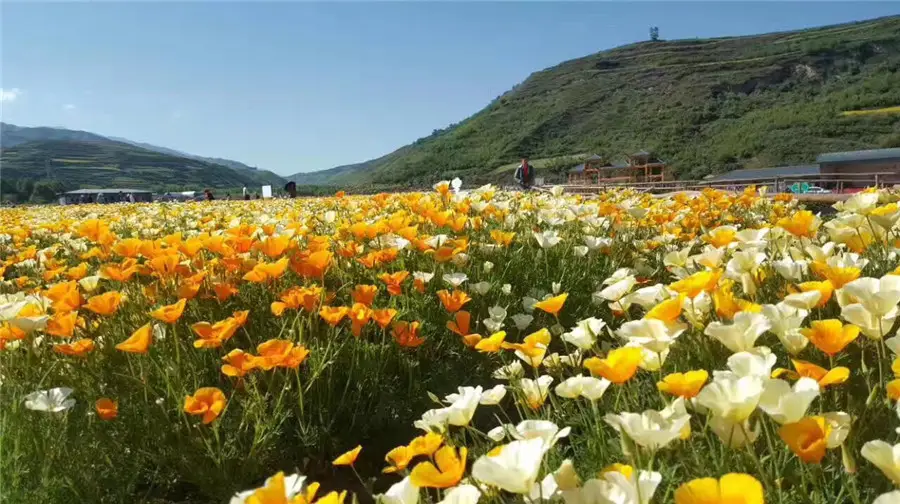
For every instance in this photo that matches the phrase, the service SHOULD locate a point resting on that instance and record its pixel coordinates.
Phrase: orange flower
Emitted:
(686, 385)
(824, 288)
(383, 317)
(394, 281)
(238, 363)
(267, 272)
(104, 304)
(806, 438)
(364, 294)
(128, 247)
(830, 336)
(502, 238)
(618, 366)
(107, 409)
(531, 350)
(552, 305)
(188, 288)
(279, 353)
(692, 286)
(668, 310)
(65, 296)
(273, 246)
(77, 272)
(332, 315)
(453, 302)
(76, 349)
(837, 276)
(824, 376)
(213, 335)
(169, 313)
(206, 401)
(348, 458)
(461, 322)
(449, 471)
(240, 317)
(224, 291)
(139, 341)
(314, 265)
(118, 273)
(360, 315)
(164, 265)
(62, 324)
(802, 224)
(406, 334)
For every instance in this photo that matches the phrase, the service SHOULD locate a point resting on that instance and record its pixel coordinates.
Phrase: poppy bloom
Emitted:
(618, 366)
(347, 458)
(360, 315)
(107, 409)
(502, 238)
(491, 344)
(824, 288)
(394, 282)
(802, 224)
(552, 305)
(62, 324)
(734, 488)
(267, 272)
(406, 334)
(164, 265)
(830, 336)
(65, 296)
(455, 301)
(169, 313)
(314, 265)
(139, 341)
(238, 363)
(364, 294)
(332, 315)
(224, 291)
(383, 317)
(206, 401)
(806, 438)
(686, 385)
(668, 310)
(825, 377)
(213, 335)
(104, 304)
(273, 246)
(461, 322)
(76, 349)
(692, 286)
(449, 470)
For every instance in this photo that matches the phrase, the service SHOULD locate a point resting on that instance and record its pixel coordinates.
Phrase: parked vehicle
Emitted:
(817, 190)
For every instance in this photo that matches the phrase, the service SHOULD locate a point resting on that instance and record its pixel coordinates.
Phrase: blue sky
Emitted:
(295, 87)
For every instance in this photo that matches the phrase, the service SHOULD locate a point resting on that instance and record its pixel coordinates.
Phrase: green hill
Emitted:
(36, 170)
(705, 106)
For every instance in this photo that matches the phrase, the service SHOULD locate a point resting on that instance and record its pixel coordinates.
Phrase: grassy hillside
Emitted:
(706, 106)
(36, 169)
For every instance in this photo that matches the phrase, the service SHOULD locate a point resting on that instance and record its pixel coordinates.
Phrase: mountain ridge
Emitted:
(705, 105)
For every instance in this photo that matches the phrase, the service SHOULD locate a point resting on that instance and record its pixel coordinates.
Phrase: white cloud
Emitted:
(69, 106)
(8, 95)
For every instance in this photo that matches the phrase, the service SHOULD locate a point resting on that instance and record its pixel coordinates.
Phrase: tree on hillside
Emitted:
(654, 33)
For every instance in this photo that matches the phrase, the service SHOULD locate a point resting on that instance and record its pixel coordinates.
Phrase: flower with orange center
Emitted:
(668, 310)
(206, 401)
(360, 315)
(170, 313)
(384, 317)
(830, 336)
(237, 363)
(824, 288)
(455, 301)
(532, 349)
(406, 334)
(686, 385)
(332, 315)
(802, 224)
(62, 324)
(267, 272)
(721, 237)
(107, 409)
(139, 341)
(364, 294)
(449, 469)
(347, 458)
(552, 305)
(824, 377)
(273, 246)
(501, 238)
(807, 438)
(394, 282)
(702, 281)
(837, 276)
(618, 366)
(491, 344)
(78, 348)
(104, 304)
(734, 488)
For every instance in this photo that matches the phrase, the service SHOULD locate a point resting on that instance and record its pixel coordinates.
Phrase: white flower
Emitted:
(293, 485)
(455, 279)
(649, 429)
(492, 325)
(493, 395)
(583, 386)
(89, 283)
(510, 371)
(499, 432)
(461, 494)
(487, 266)
(580, 337)
(506, 289)
(580, 250)
(840, 428)
(892, 497)
(536, 390)
(803, 300)
(742, 334)
(481, 288)
(528, 303)
(403, 492)
(423, 276)
(733, 399)
(513, 467)
(433, 420)
(545, 430)
(757, 362)
(878, 296)
(654, 335)
(522, 320)
(885, 457)
(594, 243)
(546, 490)
(616, 488)
(618, 289)
(53, 400)
(752, 238)
(785, 322)
(790, 269)
(547, 239)
(785, 404)
(463, 405)
(734, 434)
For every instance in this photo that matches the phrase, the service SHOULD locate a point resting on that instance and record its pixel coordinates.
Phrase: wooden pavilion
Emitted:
(642, 166)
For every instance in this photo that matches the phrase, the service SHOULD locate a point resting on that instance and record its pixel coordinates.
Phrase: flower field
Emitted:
(452, 346)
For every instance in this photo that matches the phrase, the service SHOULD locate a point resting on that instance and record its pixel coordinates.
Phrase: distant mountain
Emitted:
(703, 105)
(37, 162)
(237, 165)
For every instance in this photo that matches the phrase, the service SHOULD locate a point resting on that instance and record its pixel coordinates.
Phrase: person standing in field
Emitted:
(209, 195)
(525, 174)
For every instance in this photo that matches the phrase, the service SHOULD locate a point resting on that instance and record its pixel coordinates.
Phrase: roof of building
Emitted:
(761, 173)
(107, 191)
(861, 155)
(614, 166)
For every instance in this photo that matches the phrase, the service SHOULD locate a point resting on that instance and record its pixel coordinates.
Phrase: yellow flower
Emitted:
(347, 458)
(692, 286)
(139, 341)
(618, 366)
(668, 310)
(830, 336)
(806, 438)
(686, 385)
(825, 377)
(449, 470)
(552, 305)
(734, 488)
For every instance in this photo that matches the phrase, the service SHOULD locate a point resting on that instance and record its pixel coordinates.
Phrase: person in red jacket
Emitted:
(525, 174)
